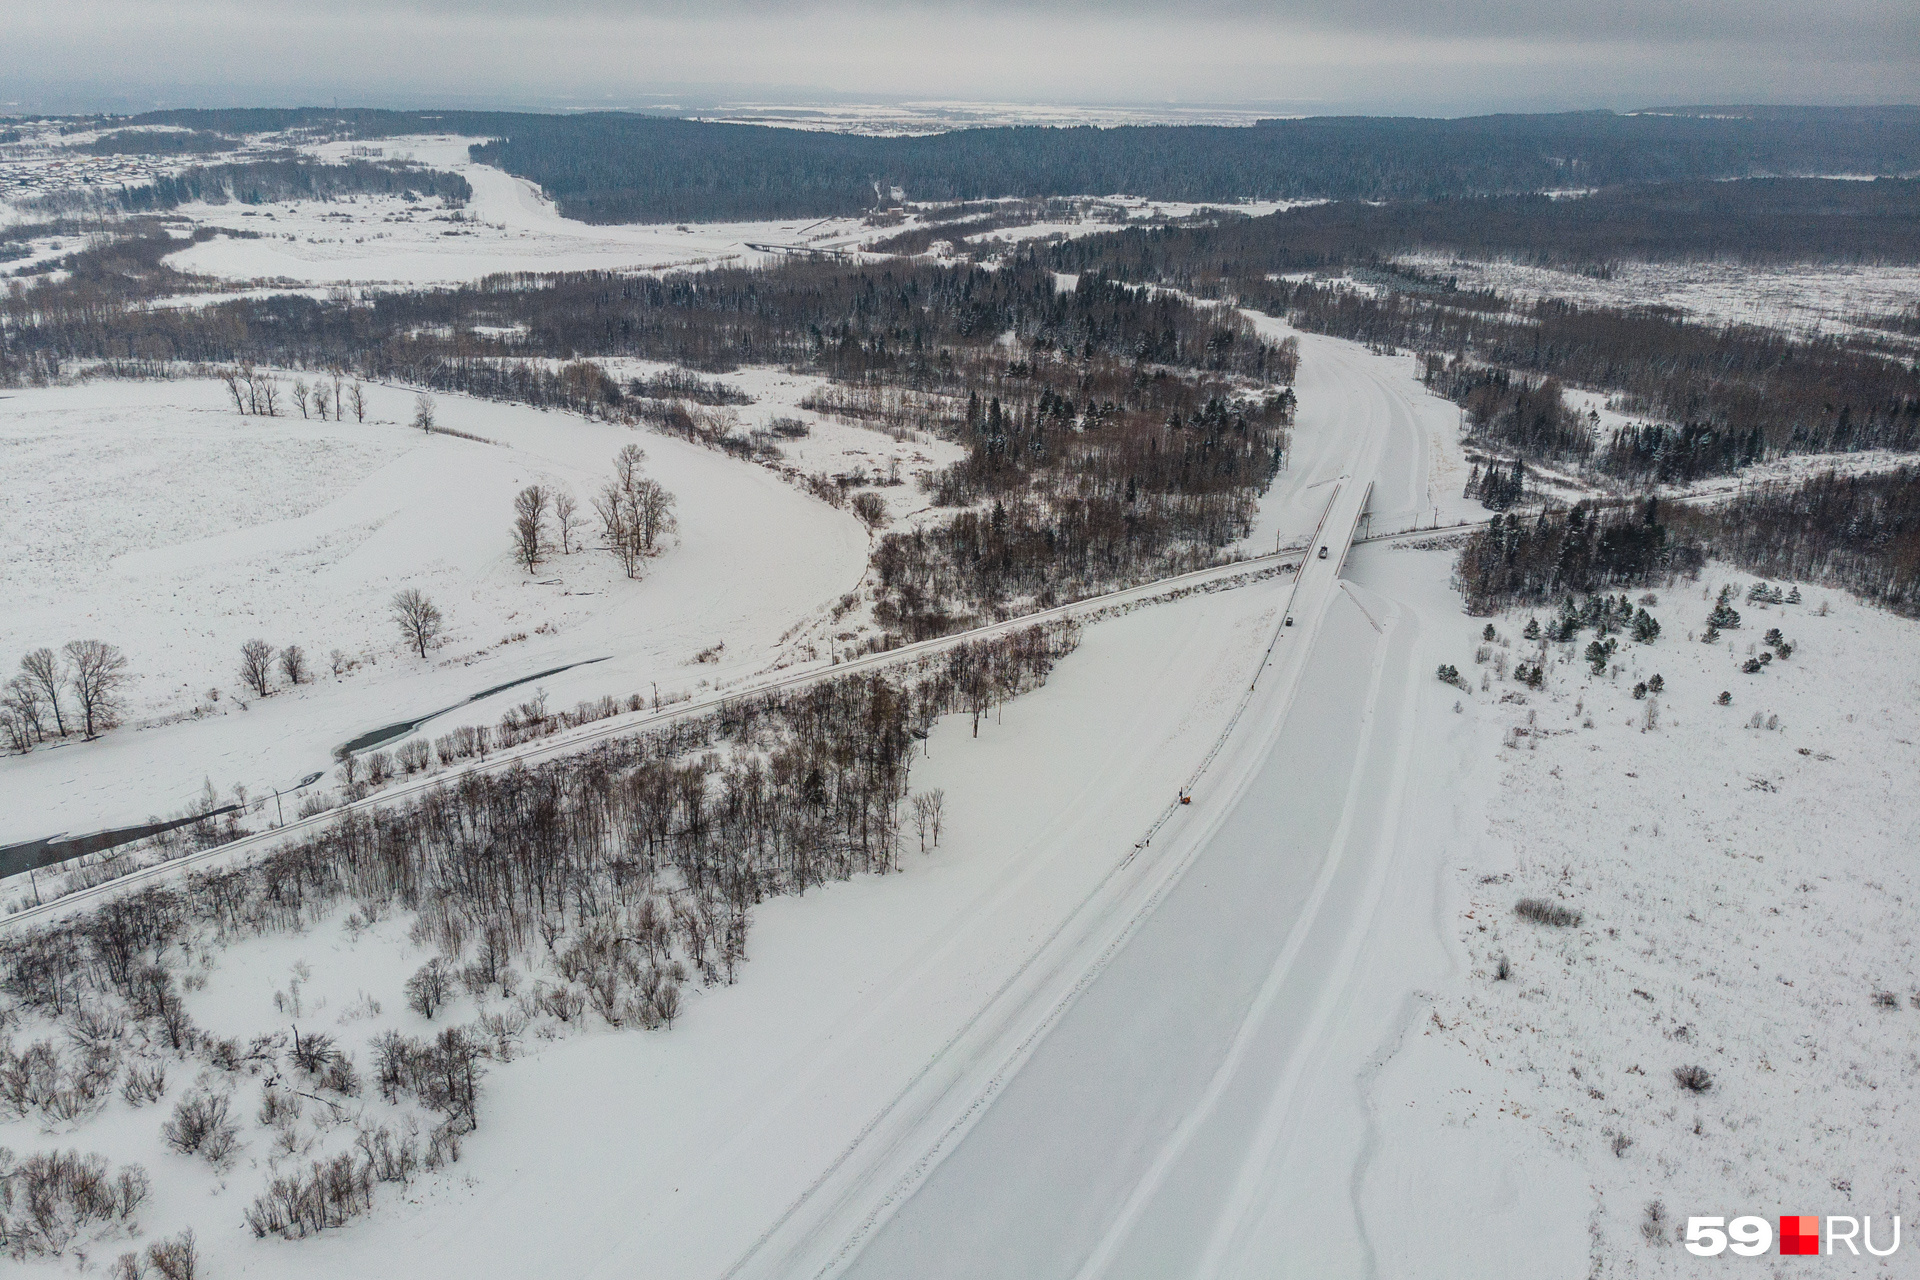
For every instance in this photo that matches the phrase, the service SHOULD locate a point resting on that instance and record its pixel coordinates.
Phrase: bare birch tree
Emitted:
(530, 524)
(653, 517)
(42, 672)
(417, 617)
(256, 667)
(611, 507)
(357, 399)
(566, 519)
(96, 671)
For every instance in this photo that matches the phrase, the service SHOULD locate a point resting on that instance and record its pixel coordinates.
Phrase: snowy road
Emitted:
(1125, 1111)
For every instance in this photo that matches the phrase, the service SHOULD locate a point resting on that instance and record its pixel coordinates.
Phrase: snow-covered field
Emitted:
(508, 225)
(151, 515)
(1802, 298)
(1745, 879)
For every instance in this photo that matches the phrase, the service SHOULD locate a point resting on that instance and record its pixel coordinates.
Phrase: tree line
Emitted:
(591, 887)
(1859, 532)
(1112, 433)
(1579, 550)
(630, 167)
(1755, 220)
(846, 321)
(263, 182)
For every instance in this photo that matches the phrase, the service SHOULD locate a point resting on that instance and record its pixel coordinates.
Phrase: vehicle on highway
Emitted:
(1323, 553)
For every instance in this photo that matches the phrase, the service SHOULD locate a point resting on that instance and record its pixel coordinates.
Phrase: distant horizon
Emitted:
(958, 112)
(1341, 57)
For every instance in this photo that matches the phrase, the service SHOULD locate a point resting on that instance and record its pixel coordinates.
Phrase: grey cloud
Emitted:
(1446, 57)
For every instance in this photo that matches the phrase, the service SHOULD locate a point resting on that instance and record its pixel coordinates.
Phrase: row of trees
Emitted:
(1860, 532)
(93, 672)
(262, 181)
(917, 323)
(256, 392)
(1758, 220)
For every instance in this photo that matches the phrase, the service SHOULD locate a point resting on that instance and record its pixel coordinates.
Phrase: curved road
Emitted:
(1127, 1117)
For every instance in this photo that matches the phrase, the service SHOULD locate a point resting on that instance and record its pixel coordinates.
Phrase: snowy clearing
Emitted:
(161, 521)
(1743, 875)
(1814, 299)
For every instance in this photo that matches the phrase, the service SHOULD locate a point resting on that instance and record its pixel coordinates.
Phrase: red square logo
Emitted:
(1800, 1234)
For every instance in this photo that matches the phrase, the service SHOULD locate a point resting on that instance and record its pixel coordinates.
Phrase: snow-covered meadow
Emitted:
(1805, 299)
(1744, 880)
(151, 515)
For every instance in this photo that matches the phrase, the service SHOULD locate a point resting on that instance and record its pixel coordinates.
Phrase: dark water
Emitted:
(31, 854)
(401, 728)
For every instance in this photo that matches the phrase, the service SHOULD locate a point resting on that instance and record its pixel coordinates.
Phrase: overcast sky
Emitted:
(1438, 57)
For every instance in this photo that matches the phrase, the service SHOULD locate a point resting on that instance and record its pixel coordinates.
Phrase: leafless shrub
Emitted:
(1540, 911)
(412, 757)
(871, 509)
(144, 1084)
(1693, 1079)
(1655, 1226)
(51, 1199)
(96, 1030)
(63, 1087)
(228, 1054)
(314, 1052)
(443, 1147)
(339, 1075)
(1886, 1000)
(328, 1194)
(200, 1124)
(177, 1258)
(443, 1073)
(389, 1159)
(279, 1107)
(1502, 969)
(428, 988)
(293, 664)
(1620, 1144)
